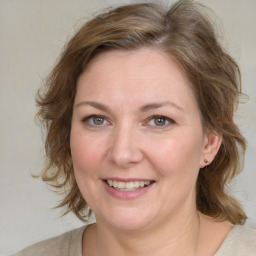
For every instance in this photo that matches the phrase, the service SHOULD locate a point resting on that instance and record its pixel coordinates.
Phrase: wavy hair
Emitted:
(183, 31)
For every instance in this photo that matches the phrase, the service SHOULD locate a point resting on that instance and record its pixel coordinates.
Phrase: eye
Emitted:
(98, 120)
(95, 120)
(160, 121)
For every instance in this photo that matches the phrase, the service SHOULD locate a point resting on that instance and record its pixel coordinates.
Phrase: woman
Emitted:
(139, 117)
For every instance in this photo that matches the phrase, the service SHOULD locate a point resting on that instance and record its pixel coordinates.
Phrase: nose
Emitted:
(124, 150)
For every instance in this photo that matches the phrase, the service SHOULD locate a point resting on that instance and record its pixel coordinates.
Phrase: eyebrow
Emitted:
(144, 108)
(152, 106)
(95, 105)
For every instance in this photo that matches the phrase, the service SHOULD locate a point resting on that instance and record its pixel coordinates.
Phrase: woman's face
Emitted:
(136, 139)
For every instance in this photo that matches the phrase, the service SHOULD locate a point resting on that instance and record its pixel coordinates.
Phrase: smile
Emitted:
(127, 186)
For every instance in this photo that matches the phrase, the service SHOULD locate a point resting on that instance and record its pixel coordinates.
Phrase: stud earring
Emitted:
(206, 161)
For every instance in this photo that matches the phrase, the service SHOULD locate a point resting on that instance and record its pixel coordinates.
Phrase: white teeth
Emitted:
(127, 186)
(120, 184)
(136, 184)
(114, 183)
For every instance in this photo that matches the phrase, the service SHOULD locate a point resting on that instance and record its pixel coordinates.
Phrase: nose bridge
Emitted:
(125, 149)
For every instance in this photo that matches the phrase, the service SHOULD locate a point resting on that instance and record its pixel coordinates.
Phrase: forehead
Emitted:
(144, 74)
(145, 60)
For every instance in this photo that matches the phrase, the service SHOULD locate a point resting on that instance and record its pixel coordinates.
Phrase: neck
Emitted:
(178, 236)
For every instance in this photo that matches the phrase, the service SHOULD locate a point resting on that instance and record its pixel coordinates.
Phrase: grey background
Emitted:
(32, 33)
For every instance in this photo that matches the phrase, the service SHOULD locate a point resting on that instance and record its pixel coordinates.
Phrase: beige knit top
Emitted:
(240, 241)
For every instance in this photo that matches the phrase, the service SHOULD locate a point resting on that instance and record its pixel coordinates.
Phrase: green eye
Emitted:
(97, 120)
(160, 121)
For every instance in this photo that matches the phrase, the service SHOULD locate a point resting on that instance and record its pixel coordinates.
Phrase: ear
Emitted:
(212, 143)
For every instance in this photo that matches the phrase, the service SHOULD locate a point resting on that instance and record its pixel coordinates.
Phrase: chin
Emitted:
(128, 220)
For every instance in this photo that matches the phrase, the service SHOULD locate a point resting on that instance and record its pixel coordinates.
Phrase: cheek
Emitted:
(178, 154)
(87, 161)
(86, 153)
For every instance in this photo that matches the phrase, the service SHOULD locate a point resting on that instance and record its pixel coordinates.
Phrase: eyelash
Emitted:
(155, 117)
(166, 119)
(87, 120)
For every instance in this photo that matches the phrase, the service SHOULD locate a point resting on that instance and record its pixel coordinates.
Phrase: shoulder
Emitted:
(69, 243)
(240, 241)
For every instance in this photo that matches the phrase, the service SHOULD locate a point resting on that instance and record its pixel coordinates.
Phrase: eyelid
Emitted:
(86, 118)
(168, 119)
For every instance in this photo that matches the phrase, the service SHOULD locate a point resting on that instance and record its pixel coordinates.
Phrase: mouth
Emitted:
(128, 186)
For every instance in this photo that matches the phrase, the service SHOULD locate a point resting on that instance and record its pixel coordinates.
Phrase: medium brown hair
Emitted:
(184, 32)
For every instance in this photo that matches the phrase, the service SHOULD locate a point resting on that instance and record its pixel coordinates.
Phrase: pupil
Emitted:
(159, 121)
(98, 120)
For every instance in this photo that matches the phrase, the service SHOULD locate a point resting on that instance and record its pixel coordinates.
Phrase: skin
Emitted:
(124, 89)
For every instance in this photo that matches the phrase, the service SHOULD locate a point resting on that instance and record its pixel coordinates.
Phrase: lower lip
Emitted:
(127, 194)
